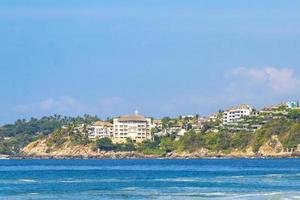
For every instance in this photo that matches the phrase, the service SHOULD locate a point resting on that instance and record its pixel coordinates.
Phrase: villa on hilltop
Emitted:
(236, 113)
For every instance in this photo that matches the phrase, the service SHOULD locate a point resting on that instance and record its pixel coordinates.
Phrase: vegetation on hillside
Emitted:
(15, 136)
(286, 128)
(106, 144)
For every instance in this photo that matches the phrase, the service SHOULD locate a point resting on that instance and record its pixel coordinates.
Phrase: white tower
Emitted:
(136, 112)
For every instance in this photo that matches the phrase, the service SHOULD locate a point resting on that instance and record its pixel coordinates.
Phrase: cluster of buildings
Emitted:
(244, 117)
(139, 128)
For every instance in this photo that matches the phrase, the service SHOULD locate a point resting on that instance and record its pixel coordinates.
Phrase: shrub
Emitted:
(105, 144)
(56, 139)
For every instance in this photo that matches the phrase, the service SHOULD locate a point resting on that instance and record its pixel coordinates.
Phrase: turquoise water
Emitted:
(150, 179)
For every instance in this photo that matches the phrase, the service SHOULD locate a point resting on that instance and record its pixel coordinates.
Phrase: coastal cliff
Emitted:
(40, 149)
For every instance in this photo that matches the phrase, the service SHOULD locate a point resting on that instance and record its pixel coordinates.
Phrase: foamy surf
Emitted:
(27, 180)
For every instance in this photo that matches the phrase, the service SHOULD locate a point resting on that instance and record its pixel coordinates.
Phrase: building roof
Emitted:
(102, 123)
(271, 107)
(242, 106)
(139, 118)
(157, 121)
(213, 116)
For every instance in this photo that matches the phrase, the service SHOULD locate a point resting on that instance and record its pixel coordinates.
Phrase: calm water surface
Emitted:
(150, 179)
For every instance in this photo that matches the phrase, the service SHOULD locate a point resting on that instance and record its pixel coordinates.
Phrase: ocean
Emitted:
(150, 179)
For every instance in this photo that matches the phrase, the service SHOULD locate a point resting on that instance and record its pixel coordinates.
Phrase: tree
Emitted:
(105, 144)
(165, 122)
(294, 115)
(167, 144)
(129, 145)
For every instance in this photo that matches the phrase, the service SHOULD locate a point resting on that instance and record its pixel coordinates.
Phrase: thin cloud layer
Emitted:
(52, 105)
(271, 80)
(255, 86)
(104, 107)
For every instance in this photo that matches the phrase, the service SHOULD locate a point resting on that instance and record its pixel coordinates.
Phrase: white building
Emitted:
(292, 104)
(135, 127)
(180, 134)
(187, 116)
(157, 123)
(234, 114)
(100, 129)
(201, 121)
(213, 117)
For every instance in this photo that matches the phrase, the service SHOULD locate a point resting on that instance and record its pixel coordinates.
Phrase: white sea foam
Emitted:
(33, 193)
(232, 177)
(255, 195)
(93, 180)
(275, 175)
(178, 180)
(130, 188)
(74, 181)
(236, 177)
(27, 180)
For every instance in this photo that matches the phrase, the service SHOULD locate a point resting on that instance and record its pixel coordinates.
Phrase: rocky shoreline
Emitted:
(172, 155)
(40, 150)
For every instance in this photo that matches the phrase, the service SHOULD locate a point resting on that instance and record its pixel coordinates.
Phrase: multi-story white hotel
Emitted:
(135, 127)
(100, 129)
(234, 114)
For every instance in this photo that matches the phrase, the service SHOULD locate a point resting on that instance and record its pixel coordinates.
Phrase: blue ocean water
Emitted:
(150, 179)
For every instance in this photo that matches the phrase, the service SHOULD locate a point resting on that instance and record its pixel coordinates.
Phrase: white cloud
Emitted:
(271, 80)
(110, 101)
(23, 108)
(109, 106)
(64, 104)
(47, 104)
(255, 86)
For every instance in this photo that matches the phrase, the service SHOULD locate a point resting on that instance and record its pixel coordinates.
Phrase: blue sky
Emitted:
(163, 58)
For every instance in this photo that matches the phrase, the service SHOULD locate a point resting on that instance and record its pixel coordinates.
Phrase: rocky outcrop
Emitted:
(296, 153)
(273, 148)
(3, 156)
(39, 149)
(198, 154)
(248, 153)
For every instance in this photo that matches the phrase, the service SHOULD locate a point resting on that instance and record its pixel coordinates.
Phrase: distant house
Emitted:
(79, 128)
(274, 111)
(269, 108)
(100, 129)
(187, 116)
(213, 117)
(180, 134)
(232, 115)
(174, 128)
(292, 104)
(201, 121)
(157, 123)
(161, 133)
